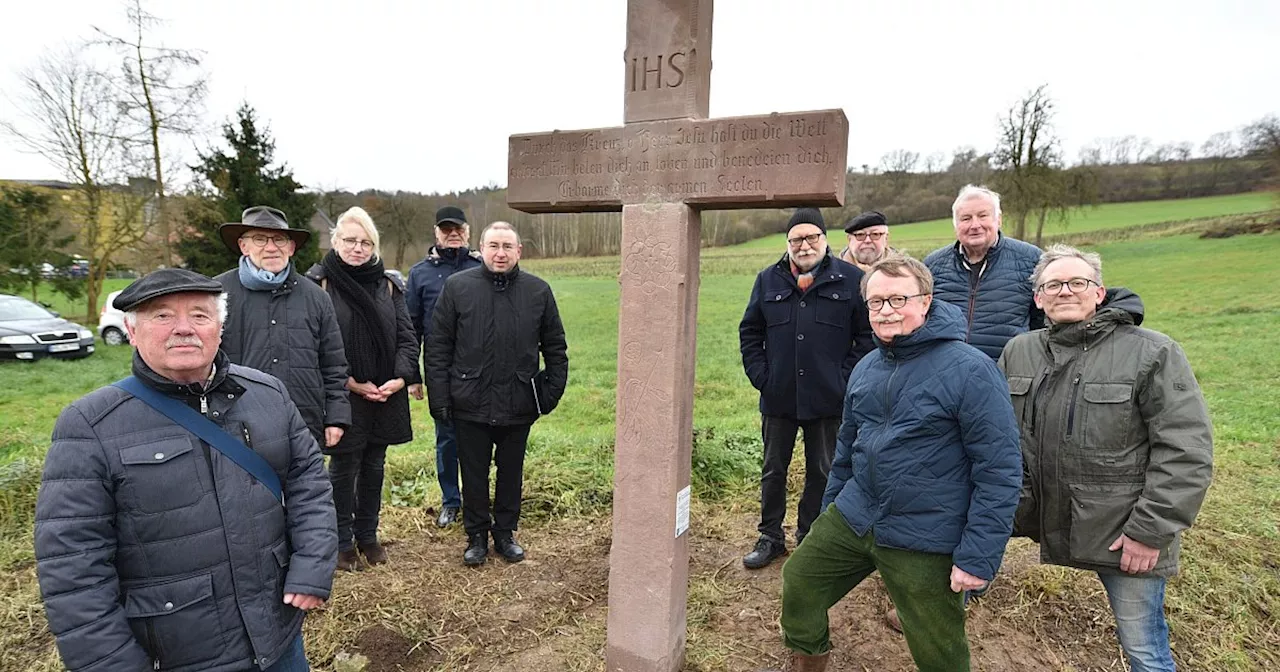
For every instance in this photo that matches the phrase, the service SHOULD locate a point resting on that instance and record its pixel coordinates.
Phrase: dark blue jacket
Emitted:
(426, 281)
(995, 297)
(927, 456)
(798, 349)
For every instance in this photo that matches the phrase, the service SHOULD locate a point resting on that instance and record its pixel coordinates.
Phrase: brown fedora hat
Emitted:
(260, 217)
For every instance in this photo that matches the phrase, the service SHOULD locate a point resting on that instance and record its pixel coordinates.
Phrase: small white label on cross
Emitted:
(682, 510)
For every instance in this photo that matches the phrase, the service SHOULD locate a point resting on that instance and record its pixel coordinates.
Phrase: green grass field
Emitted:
(1213, 296)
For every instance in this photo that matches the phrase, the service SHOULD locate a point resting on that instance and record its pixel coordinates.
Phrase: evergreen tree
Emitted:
(229, 182)
(29, 239)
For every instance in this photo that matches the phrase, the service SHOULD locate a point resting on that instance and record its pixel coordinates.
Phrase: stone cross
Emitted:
(660, 169)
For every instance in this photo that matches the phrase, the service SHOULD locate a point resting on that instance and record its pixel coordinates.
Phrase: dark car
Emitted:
(29, 331)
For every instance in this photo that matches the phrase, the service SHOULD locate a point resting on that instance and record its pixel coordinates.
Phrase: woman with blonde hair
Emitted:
(382, 351)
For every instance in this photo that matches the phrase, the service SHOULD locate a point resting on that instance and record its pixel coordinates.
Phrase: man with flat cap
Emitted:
(281, 323)
(868, 235)
(426, 280)
(804, 329)
(184, 521)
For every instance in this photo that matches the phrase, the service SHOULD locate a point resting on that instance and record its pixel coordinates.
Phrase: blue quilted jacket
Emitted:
(999, 305)
(927, 456)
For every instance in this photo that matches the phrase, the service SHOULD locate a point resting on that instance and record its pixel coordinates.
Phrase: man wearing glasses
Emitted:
(868, 235)
(426, 280)
(1117, 444)
(924, 484)
(283, 324)
(803, 331)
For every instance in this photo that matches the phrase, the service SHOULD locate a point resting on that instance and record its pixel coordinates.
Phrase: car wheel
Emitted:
(113, 336)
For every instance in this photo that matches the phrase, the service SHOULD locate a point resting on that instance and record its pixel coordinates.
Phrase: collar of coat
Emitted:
(220, 380)
(436, 256)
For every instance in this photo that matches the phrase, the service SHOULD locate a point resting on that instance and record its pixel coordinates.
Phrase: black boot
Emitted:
(504, 544)
(765, 552)
(477, 549)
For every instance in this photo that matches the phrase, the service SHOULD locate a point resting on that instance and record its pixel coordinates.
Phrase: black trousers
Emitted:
(779, 436)
(356, 477)
(479, 445)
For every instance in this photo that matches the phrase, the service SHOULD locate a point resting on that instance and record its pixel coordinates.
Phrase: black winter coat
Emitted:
(387, 422)
(291, 333)
(155, 550)
(999, 305)
(798, 349)
(486, 334)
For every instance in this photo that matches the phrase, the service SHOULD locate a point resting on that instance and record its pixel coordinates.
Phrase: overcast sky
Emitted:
(421, 95)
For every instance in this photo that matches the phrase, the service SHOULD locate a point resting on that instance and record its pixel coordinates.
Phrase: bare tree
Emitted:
(162, 92)
(1262, 139)
(72, 116)
(1028, 157)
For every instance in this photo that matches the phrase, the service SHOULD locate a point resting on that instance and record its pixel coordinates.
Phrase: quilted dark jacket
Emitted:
(927, 456)
(997, 300)
(292, 334)
(156, 552)
(798, 348)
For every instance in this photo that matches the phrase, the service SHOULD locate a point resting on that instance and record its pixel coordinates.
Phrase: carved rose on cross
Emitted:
(650, 263)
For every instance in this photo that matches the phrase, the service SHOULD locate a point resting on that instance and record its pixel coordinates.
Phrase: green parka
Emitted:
(1115, 435)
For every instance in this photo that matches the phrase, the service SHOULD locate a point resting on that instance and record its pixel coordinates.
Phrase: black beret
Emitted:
(451, 215)
(162, 282)
(866, 219)
(807, 216)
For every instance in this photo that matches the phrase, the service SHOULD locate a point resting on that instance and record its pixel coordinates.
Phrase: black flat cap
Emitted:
(807, 216)
(866, 219)
(164, 281)
(451, 215)
(260, 217)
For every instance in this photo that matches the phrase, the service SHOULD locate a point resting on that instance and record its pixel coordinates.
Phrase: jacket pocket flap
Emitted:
(775, 296)
(836, 293)
(465, 373)
(156, 452)
(166, 598)
(1019, 385)
(1107, 393)
(281, 551)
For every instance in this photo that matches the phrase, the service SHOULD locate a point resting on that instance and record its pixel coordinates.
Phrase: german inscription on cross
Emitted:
(668, 150)
(666, 164)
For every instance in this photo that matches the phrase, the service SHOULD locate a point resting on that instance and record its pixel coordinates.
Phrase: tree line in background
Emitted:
(107, 112)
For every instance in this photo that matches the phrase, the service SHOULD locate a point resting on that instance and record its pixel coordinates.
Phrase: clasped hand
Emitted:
(378, 393)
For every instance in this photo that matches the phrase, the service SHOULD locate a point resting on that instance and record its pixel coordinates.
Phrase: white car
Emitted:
(111, 323)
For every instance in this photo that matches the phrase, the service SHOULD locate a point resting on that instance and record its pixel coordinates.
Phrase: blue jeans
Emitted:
(294, 660)
(1138, 605)
(447, 464)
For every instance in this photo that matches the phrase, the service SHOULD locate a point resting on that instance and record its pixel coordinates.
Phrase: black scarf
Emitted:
(370, 337)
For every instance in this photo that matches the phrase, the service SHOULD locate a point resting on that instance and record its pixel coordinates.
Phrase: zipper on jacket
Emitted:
(973, 295)
(155, 643)
(204, 405)
(1071, 410)
(888, 422)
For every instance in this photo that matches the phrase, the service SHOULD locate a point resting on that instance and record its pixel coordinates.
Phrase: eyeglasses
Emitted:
(351, 243)
(864, 235)
(1074, 286)
(812, 239)
(261, 240)
(874, 305)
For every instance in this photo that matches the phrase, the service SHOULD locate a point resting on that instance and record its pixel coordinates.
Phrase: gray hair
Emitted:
(971, 191)
(357, 215)
(901, 266)
(131, 317)
(499, 226)
(1058, 252)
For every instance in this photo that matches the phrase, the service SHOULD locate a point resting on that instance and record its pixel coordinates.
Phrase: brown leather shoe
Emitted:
(891, 617)
(349, 561)
(374, 553)
(803, 663)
